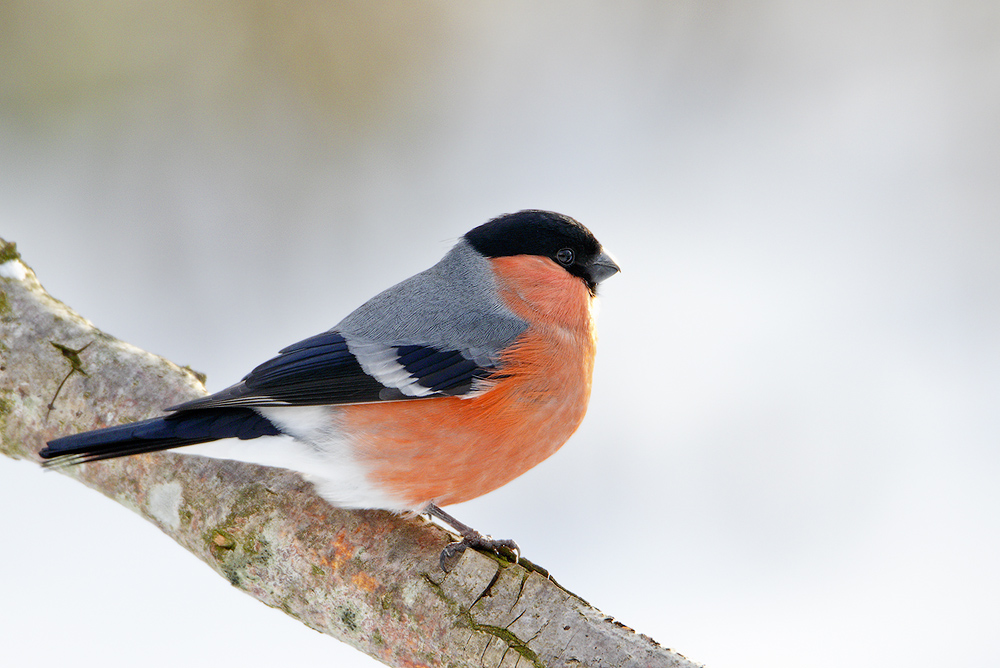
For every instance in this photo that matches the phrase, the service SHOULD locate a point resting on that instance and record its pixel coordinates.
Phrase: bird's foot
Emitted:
(471, 538)
(501, 546)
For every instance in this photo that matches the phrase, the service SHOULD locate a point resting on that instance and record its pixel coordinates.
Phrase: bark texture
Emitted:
(368, 578)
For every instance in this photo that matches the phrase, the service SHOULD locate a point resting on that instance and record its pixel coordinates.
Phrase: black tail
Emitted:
(171, 431)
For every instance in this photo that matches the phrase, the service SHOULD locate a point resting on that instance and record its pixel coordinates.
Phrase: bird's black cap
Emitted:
(548, 234)
(532, 232)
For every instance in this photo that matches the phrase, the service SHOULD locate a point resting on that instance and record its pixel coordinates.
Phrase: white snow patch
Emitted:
(13, 269)
(165, 504)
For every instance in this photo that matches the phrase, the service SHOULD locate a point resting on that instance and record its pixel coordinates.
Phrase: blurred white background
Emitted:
(791, 456)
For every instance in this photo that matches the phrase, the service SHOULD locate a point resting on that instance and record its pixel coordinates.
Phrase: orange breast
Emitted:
(447, 450)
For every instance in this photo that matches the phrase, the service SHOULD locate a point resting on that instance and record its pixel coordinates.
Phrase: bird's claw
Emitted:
(470, 537)
(450, 554)
(501, 546)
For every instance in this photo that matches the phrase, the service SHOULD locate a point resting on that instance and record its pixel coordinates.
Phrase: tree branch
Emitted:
(368, 578)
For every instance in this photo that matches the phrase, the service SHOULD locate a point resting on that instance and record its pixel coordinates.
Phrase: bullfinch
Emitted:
(436, 391)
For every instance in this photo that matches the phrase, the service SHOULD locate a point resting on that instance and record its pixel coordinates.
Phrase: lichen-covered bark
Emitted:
(369, 578)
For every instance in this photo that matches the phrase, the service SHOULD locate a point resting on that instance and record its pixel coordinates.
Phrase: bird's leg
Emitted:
(469, 537)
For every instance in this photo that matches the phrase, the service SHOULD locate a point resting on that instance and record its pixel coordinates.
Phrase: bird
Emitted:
(435, 391)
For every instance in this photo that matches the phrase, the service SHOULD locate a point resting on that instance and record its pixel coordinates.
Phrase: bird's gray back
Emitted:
(454, 305)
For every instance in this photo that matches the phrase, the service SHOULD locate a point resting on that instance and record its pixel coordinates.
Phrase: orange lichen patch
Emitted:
(448, 450)
(406, 663)
(364, 581)
(222, 540)
(342, 552)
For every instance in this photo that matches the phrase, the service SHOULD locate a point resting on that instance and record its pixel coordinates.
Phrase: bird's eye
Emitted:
(565, 257)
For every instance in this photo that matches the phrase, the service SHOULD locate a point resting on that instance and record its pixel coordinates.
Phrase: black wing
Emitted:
(187, 428)
(321, 370)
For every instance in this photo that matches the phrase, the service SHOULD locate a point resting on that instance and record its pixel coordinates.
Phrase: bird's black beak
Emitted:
(602, 267)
